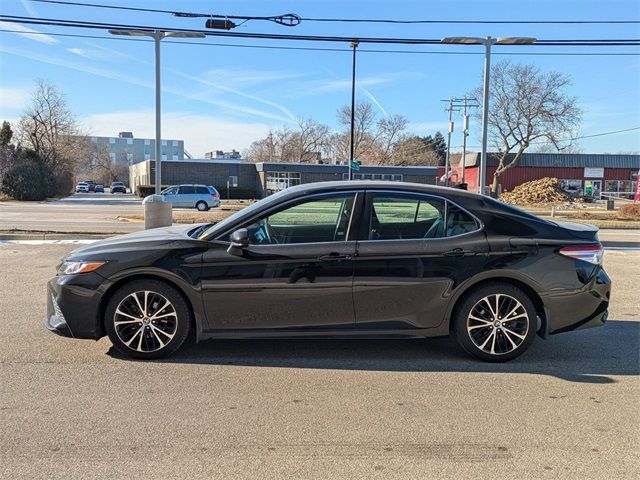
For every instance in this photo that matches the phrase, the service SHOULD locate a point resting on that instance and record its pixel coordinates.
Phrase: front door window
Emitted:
(322, 219)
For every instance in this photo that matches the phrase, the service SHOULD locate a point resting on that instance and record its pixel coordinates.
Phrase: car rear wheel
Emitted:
(147, 319)
(202, 206)
(495, 323)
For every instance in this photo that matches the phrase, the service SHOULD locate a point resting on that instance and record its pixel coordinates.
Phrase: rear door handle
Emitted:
(334, 257)
(459, 252)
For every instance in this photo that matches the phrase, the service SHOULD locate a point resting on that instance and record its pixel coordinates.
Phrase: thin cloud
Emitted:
(373, 98)
(29, 33)
(14, 98)
(145, 84)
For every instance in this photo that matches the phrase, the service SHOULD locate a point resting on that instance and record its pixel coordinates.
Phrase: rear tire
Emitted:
(147, 319)
(496, 322)
(202, 206)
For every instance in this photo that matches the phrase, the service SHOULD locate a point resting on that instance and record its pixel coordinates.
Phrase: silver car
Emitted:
(201, 197)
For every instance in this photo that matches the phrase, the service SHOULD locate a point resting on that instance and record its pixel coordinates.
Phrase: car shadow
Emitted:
(588, 356)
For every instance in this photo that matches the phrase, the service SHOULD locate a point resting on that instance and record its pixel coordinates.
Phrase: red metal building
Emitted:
(586, 174)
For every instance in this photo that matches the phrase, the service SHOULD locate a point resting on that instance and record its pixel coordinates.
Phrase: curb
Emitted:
(55, 236)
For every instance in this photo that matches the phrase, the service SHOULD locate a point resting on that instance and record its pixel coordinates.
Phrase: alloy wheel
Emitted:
(145, 321)
(498, 324)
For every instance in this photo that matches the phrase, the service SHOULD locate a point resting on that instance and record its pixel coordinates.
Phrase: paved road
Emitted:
(80, 212)
(333, 409)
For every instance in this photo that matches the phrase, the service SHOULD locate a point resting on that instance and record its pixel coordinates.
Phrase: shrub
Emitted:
(28, 178)
(629, 212)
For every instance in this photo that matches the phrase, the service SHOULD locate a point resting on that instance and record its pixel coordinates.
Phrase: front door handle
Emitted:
(459, 252)
(334, 257)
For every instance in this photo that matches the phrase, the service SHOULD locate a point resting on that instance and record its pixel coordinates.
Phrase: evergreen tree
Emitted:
(5, 133)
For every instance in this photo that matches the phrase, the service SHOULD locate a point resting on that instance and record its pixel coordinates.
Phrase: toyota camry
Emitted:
(339, 259)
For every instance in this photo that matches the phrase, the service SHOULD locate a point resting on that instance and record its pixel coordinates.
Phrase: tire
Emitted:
(491, 337)
(147, 337)
(202, 206)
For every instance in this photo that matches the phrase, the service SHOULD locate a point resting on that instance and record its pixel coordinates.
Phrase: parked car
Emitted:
(99, 188)
(360, 258)
(92, 185)
(201, 197)
(118, 187)
(82, 187)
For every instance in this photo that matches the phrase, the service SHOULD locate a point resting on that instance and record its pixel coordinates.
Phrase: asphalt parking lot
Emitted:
(569, 408)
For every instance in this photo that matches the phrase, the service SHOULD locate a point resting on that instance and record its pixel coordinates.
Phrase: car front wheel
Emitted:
(147, 319)
(496, 322)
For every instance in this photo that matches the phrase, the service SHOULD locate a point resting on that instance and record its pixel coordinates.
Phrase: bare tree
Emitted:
(414, 151)
(525, 106)
(50, 129)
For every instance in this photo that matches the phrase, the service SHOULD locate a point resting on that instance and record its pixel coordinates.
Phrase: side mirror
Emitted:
(239, 241)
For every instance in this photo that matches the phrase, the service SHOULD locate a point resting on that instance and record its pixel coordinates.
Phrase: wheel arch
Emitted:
(196, 314)
(517, 282)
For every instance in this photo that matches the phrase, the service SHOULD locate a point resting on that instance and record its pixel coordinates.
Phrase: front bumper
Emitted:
(577, 310)
(73, 305)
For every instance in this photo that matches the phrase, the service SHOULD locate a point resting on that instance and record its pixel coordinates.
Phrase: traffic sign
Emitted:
(355, 165)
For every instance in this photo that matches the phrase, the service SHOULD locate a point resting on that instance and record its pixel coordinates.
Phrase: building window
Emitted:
(175, 157)
(129, 141)
(372, 176)
(174, 143)
(112, 141)
(147, 156)
(94, 139)
(147, 141)
(112, 156)
(164, 143)
(276, 181)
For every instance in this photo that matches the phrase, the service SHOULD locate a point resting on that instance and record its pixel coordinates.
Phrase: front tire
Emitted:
(202, 206)
(147, 319)
(495, 323)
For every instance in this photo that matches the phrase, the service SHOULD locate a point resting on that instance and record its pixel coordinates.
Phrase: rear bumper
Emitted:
(73, 305)
(577, 310)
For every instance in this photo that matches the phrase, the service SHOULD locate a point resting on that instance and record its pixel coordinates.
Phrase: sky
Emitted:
(220, 97)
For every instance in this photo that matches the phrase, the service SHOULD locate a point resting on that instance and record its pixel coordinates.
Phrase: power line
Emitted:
(288, 19)
(346, 20)
(314, 38)
(320, 49)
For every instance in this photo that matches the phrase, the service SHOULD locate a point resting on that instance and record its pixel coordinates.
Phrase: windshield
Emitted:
(221, 226)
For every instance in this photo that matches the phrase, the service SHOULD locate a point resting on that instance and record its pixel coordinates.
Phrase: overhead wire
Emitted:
(344, 20)
(318, 49)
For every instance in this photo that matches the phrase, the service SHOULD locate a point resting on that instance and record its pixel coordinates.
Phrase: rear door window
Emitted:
(407, 216)
(202, 190)
(186, 190)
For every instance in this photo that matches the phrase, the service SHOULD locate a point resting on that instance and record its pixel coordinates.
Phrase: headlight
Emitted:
(71, 268)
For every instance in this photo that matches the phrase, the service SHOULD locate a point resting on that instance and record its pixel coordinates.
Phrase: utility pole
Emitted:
(465, 103)
(451, 108)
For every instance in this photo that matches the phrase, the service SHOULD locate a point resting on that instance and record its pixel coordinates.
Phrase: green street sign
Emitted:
(355, 166)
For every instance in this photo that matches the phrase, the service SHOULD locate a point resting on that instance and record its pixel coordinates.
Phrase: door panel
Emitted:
(279, 286)
(411, 281)
(415, 252)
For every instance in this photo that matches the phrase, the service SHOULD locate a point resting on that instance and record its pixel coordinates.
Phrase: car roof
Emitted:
(381, 185)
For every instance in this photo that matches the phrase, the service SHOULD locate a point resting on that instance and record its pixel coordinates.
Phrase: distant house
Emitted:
(589, 174)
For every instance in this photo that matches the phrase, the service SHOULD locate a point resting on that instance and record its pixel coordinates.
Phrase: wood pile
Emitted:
(545, 190)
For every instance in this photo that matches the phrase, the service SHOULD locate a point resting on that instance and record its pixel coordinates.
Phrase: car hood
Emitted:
(177, 236)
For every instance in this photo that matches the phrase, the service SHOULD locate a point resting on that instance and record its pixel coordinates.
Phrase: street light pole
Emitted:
(487, 42)
(482, 177)
(158, 36)
(354, 45)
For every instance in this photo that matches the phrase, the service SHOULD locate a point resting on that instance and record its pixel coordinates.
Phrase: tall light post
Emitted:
(157, 36)
(354, 46)
(487, 42)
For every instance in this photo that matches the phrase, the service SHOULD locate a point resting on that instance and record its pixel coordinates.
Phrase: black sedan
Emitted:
(343, 259)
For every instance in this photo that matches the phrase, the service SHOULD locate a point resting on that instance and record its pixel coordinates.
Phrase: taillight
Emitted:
(215, 196)
(588, 253)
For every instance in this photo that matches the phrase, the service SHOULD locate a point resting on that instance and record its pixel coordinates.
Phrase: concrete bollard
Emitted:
(157, 212)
